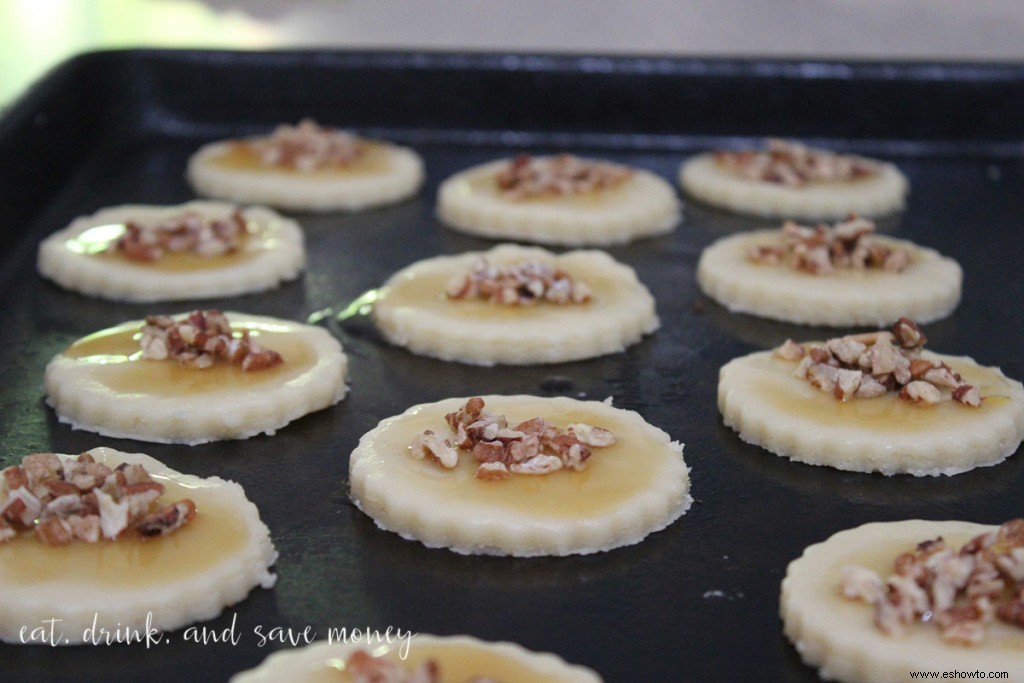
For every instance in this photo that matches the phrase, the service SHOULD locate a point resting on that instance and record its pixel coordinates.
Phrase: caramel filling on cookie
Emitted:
(216, 532)
(774, 381)
(534, 447)
(792, 164)
(966, 590)
(456, 663)
(427, 290)
(375, 158)
(567, 193)
(527, 177)
(98, 242)
(119, 364)
(523, 283)
(822, 249)
(621, 469)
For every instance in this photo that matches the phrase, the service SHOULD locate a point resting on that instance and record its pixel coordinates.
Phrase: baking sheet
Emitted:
(697, 601)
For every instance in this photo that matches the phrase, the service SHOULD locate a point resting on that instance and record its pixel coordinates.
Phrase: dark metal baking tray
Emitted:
(695, 602)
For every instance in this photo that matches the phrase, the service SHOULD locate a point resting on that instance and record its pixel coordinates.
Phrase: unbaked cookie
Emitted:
(397, 659)
(837, 275)
(558, 200)
(520, 475)
(185, 547)
(515, 305)
(307, 168)
(834, 612)
(874, 402)
(196, 378)
(197, 250)
(790, 180)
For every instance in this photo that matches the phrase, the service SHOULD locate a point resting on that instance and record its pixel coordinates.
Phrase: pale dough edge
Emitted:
(648, 512)
(928, 290)
(194, 420)
(866, 655)
(174, 606)
(127, 282)
(648, 207)
(756, 423)
(301, 193)
(701, 178)
(451, 339)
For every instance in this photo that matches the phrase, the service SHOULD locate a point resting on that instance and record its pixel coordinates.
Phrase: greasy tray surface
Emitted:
(688, 603)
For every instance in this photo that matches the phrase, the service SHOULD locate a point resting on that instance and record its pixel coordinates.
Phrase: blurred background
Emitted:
(35, 35)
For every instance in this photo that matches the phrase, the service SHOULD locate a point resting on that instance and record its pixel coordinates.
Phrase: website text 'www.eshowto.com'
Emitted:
(960, 675)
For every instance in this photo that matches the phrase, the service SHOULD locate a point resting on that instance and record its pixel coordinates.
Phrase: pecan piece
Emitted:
(968, 395)
(433, 445)
(908, 334)
(790, 350)
(921, 392)
(492, 471)
(859, 583)
(489, 451)
(1013, 611)
(53, 531)
(539, 464)
(167, 519)
(15, 477)
(598, 437)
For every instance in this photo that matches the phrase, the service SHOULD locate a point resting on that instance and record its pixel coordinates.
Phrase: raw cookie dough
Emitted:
(307, 168)
(793, 181)
(926, 288)
(413, 310)
(165, 582)
(636, 486)
(837, 635)
(460, 659)
(763, 399)
(84, 256)
(612, 204)
(102, 383)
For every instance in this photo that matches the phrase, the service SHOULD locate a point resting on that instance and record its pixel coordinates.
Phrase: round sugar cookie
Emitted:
(927, 289)
(414, 310)
(878, 192)
(85, 257)
(837, 635)
(761, 398)
(460, 659)
(163, 582)
(102, 383)
(294, 169)
(633, 203)
(636, 486)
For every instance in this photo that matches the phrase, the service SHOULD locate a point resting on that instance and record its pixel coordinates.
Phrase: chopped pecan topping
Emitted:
(873, 364)
(202, 338)
(430, 444)
(167, 519)
(84, 500)
(527, 177)
(534, 446)
(362, 667)
(795, 165)
(960, 592)
(524, 283)
(188, 232)
(307, 147)
(821, 250)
